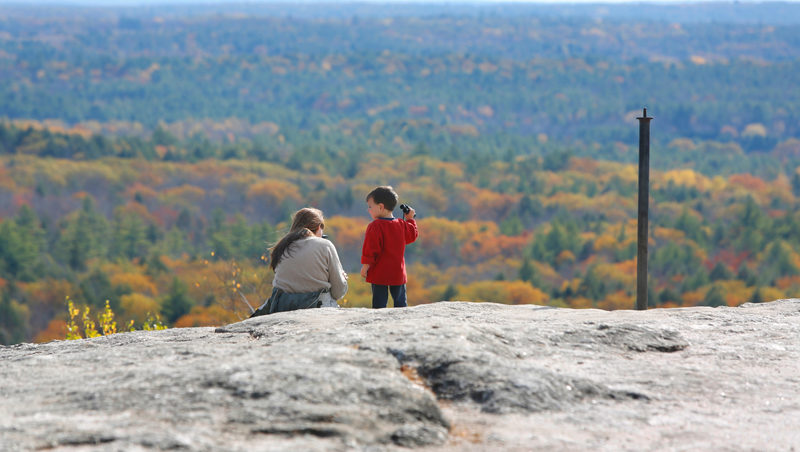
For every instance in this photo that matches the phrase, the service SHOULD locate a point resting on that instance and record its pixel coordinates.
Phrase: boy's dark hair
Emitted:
(384, 195)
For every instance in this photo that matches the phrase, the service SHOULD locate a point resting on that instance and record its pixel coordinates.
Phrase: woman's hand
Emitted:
(364, 270)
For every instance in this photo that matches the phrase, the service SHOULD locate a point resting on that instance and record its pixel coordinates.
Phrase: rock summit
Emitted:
(447, 376)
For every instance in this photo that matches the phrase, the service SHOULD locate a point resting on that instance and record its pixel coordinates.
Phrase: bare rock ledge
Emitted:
(441, 377)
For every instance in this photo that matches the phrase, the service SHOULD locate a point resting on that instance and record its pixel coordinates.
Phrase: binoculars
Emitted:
(405, 209)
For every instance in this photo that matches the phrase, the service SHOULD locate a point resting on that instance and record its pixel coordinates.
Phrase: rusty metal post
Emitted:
(644, 199)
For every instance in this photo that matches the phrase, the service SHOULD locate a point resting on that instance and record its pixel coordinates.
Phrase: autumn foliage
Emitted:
(150, 177)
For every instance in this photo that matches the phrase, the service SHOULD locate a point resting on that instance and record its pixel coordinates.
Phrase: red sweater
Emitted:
(384, 248)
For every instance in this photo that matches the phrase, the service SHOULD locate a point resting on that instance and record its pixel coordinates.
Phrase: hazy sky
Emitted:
(156, 2)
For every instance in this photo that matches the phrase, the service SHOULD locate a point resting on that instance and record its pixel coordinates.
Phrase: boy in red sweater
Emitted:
(383, 264)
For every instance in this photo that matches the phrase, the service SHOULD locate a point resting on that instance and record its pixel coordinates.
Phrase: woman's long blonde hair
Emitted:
(306, 221)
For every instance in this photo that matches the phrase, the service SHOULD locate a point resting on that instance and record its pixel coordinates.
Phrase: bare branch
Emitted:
(252, 310)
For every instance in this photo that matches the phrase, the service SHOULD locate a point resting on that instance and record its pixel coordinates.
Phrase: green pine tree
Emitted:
(85, 235)
(714, 297)
(177, 302)
(13, 320)
(757, 297)
(129, 236)
(720, 272)
(526, 271)
(449, 294)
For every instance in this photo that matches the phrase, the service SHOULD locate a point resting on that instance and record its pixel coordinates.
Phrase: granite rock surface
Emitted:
(441, 377)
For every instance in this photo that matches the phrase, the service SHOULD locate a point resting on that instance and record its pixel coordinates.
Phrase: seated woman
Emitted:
(308, 272)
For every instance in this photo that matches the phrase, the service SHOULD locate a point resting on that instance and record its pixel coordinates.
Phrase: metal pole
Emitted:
(644, 198)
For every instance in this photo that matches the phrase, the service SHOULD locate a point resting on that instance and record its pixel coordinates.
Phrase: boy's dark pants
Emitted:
(380, 296)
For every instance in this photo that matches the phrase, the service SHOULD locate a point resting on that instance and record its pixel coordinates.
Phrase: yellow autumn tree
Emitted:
(506, 292)
(274, 191)
(137, 282)
(137, 306)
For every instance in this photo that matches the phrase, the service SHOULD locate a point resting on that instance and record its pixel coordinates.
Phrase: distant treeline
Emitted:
(759, 13)
(571, 79)
(184, 236)
(341, 148)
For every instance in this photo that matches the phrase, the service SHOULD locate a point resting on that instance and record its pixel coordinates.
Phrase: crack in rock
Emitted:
(625, 336)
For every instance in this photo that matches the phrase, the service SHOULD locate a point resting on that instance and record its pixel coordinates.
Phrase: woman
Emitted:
(308, 272)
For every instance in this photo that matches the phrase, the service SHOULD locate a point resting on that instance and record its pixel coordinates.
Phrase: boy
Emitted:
(383, 264)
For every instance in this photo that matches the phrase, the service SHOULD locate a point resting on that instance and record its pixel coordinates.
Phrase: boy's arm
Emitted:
(371, 248)
(411, 231)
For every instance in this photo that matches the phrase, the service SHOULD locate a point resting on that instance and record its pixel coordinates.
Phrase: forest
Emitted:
(149, 157)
